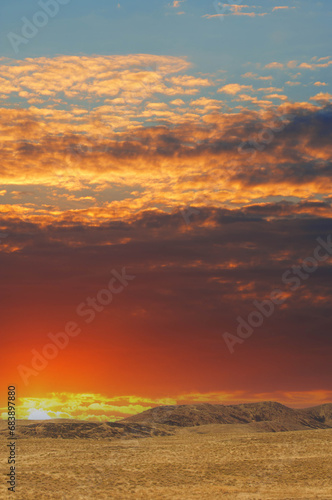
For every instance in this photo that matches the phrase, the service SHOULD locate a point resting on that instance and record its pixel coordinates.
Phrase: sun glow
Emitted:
(35, 414)
(98, 407)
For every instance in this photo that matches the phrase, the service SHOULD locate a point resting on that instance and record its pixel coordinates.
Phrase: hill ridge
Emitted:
(264, 416)
(245, 413)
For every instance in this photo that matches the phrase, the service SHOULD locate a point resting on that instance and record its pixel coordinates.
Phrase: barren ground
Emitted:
(207, 462)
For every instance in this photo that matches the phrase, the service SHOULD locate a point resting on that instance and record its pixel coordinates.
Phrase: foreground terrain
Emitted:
(265, 416)
(208, 461)
(250, 451)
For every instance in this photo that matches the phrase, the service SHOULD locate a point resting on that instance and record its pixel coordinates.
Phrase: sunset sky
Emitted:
(164, 165)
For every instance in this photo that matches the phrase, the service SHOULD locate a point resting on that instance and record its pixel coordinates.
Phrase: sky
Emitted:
(165, 230)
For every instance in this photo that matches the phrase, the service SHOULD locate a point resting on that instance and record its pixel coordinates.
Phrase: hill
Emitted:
(265, 416)
(78, 429)
(322, 413)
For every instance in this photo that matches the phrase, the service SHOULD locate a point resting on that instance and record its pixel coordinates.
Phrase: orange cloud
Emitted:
(177, 3)
(282, 7)
(274, 65)
(293, 83)
(277, 96)
(77, 77)
(234, 88)
(254, 76)
(113, 145)
(235, 10)
(322, 97)
(190, 81)
(270, 89)
(84, 406)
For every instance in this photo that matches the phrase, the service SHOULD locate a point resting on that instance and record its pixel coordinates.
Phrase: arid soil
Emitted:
(212, 461)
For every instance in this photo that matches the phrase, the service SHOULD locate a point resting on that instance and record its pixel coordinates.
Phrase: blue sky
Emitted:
(101, 27)
(234, 43)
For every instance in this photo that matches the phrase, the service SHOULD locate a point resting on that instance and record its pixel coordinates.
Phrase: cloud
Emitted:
(178, 102)
(322, 97)
(225, 9)
(293, 83)
(270, 89)
(190, 81)
(205, 105)
(234, 88)
(187, 276)
(132, 76)
(176, 3)
(84, 406)
(326, 58)
(314, 65)
(274, 65)
(211, 16)
(248, 14)
(234, 10)
(277, 96)
(320, 84)
(38, 414)
(282, 7)
(306, 66)
(56, 155)
(254, 76)
(149, 156)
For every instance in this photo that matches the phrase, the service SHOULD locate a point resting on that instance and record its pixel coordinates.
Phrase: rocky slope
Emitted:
(269, 416)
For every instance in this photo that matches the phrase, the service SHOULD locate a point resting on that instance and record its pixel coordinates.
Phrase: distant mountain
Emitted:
(268, 416)
(322, 413)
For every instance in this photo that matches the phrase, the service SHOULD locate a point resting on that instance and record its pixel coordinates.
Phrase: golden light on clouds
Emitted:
(83, 406)
(97, 407)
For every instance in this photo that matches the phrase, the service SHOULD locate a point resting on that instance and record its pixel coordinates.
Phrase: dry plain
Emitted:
(205, 462)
